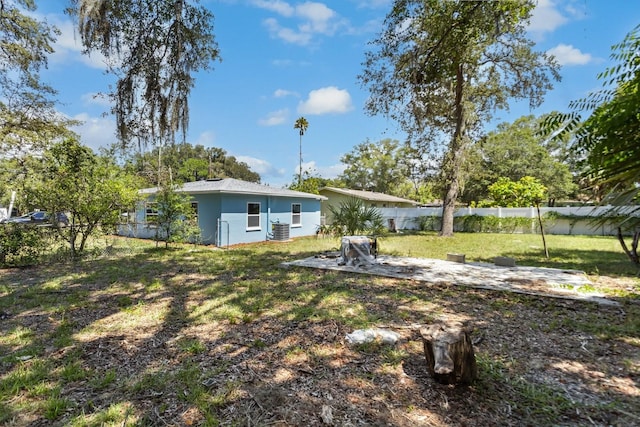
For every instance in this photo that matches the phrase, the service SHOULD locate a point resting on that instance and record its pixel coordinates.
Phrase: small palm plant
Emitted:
(352, 218)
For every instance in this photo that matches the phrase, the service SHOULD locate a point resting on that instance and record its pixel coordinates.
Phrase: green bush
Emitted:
(22, 245)
(493, 224)
(352, 217)
(428, 222)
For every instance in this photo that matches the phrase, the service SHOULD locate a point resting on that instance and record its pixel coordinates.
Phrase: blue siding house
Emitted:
(231, 211)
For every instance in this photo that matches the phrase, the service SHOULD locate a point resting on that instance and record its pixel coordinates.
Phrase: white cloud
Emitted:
(206, 139)
(68, 47)
(375, 4)
(97, 99)
(332, 171)
(576, 9)
(329, 172)
(281, 93)
(262, 167)
(280, 7)
(326, 100)
(569, 55)
(286, 34)
(95, 132)
(319, 18)
(314, 18)
(274, 118)
(546, 18)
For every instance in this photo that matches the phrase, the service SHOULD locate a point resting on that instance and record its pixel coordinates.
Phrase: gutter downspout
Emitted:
(268, 218)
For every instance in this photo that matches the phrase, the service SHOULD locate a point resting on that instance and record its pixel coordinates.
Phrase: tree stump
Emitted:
(449, 353)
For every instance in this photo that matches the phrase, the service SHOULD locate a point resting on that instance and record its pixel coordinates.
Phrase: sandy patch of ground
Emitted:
(551, 282)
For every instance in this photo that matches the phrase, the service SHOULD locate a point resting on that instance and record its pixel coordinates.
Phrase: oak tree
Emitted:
(385, 166)
(514, 150)
(28, 118)
(440, 68)
(185, 162)
(373, 166)
(154, 48)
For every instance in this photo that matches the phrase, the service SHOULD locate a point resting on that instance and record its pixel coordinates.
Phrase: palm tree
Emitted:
(352, 217)
(301, 124)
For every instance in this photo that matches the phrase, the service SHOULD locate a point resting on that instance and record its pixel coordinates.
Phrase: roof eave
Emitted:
(368, 199)
(251, 193)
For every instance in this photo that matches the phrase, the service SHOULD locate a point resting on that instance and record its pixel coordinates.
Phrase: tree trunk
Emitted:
(454, 159)
(544, 240)
(633, 252)
(300, 165)
(449, 353)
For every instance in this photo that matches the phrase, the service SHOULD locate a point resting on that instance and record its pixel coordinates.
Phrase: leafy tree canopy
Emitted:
(385, 167)
(609, 138)
(527, 191)
(154, 48)
(374, 166)
(189, 163)
(440, 68)
(91, 189)
(514, 151)
(28, 120)
(312, 183)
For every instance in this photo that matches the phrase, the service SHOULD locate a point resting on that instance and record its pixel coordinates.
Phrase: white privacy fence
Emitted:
(565, 220)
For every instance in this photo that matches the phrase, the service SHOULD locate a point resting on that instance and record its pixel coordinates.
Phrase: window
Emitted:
(296, 217)
(127, 216)
(253, 216)
(151, 212)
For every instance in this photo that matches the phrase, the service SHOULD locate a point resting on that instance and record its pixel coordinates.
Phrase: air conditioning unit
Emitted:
(280, 231)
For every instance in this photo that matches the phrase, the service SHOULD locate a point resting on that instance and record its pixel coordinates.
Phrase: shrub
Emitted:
(22, 245)
(353, 217)
(428, 222)
(493, 224)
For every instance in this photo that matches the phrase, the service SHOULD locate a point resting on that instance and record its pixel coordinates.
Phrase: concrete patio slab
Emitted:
(549, 282)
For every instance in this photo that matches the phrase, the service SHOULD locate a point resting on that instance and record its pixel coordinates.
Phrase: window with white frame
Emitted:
(296, 215)
(253, 216)
(127, 216)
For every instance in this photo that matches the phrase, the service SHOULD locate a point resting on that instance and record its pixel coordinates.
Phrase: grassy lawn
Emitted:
(201, 336)
(592, 254)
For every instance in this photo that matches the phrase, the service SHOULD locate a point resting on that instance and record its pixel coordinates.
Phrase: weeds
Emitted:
(146, 336)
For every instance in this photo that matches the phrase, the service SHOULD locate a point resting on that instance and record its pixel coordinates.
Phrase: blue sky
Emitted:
(286, 59)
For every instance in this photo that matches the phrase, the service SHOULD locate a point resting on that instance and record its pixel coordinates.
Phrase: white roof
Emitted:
(235, 186)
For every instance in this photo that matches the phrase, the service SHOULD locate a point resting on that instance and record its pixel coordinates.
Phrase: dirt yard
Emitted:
(192, 343)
